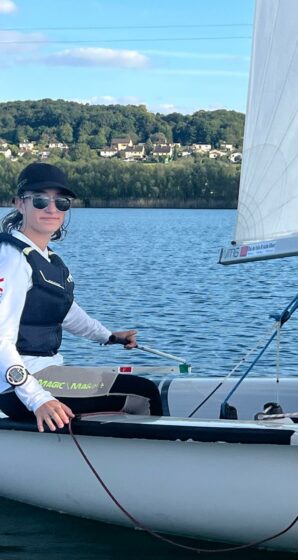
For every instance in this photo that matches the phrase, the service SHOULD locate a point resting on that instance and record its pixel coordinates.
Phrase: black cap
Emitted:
(39, 176)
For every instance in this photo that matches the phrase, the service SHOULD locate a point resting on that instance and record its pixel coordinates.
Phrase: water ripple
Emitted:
(157, 270)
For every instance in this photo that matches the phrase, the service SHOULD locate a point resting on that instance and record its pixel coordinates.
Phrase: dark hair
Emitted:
(14, 220)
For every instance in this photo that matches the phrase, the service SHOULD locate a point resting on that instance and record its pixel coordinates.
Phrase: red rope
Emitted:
(154, 534)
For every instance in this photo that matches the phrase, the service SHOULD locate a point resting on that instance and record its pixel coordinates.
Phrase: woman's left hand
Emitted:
(53, 413)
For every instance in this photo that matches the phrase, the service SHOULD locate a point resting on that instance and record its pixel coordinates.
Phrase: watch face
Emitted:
(16, 375)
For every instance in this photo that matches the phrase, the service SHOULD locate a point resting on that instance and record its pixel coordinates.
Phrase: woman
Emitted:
(36, 296)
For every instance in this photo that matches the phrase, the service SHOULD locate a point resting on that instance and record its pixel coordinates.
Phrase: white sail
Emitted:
(267, 222)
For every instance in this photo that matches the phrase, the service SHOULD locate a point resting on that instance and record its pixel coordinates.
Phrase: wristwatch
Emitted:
(16, 375)
(114, 339)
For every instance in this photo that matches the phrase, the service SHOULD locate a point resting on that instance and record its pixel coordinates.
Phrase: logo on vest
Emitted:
(69, 279)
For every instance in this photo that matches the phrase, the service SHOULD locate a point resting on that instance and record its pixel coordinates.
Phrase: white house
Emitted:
(215, 154)
(6, 152)
(202, 147)
(134, 152)
(108, 152)
(121, 142)
(26, 146)
(225, 146)
(185, 151)
(58, 145)
(44, 154)
(162, 151)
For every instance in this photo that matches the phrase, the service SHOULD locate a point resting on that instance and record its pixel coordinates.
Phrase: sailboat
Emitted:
(218, 465)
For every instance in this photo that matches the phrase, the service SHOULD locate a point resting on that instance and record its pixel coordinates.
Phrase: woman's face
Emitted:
(43, 222)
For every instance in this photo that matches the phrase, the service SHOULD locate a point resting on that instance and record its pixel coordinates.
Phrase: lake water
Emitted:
(157, 271)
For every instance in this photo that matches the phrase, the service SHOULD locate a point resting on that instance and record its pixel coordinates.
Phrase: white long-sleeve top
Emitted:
(15, 281)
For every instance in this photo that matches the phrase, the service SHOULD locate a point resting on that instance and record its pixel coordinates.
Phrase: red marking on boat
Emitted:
(244, 251)
(125, 369)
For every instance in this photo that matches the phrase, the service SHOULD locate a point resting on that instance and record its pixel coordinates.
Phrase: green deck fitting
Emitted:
(184, 368)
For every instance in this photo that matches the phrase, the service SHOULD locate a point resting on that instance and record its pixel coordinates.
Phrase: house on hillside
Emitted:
(162, 151)
(185, 151)
(121, 142)
(5, 152)
(134, 153)
(226, 147)
(3, 143)
(58, 145)
(203, 148)
(215, 154)
(108, 152)
(26, 146)
(44, 154)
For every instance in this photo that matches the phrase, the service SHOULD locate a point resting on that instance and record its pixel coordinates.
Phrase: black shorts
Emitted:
(11, 405)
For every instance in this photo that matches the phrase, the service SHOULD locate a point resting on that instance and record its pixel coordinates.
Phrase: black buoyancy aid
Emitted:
(47, 302)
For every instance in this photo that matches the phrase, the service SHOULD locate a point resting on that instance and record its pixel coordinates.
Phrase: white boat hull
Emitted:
(216, 490)
(182, 395)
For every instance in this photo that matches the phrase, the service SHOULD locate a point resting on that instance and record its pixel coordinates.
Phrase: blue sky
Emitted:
(167, 54)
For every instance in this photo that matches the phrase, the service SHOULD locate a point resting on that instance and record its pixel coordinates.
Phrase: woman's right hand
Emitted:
(54, 413)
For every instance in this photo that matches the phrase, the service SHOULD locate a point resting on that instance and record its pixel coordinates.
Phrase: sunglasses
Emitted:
(40, 202)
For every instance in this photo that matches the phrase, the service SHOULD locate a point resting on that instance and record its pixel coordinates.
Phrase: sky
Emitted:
(169, 55)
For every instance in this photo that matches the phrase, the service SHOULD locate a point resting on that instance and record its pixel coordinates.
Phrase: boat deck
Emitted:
(172, 429)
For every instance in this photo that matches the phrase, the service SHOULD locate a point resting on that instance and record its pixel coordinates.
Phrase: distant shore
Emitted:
(196, 204)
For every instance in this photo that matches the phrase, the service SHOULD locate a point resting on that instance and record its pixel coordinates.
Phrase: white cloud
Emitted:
(167, 108)
(16, 42)
(92, 56)
(7, 7)
(100, 100)
(155, 107)
(111, 100)
(18, 48)
(197, 55)
(189, 108)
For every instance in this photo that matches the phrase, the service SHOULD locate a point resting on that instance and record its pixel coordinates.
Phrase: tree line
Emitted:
(196, 181)
(96, 125)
